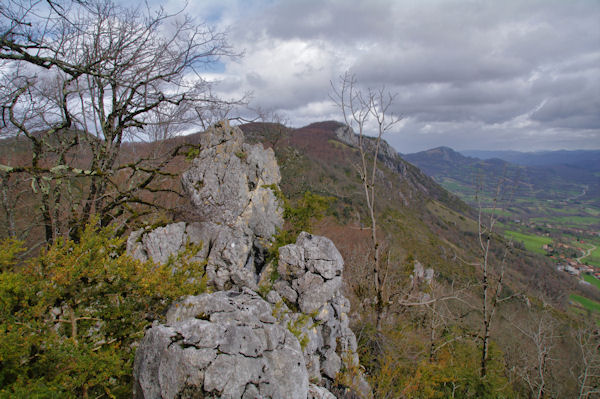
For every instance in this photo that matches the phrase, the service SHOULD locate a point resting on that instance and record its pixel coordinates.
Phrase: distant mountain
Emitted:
(588, 159)
(435, 161)
(567, 178)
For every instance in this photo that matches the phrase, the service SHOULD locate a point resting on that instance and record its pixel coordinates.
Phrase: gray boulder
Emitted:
(311, 281)
(317, 392)
(221, 345)
(229, 181)
(161, 243)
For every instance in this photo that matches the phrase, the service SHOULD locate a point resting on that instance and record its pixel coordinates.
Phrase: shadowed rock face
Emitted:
(235, 344)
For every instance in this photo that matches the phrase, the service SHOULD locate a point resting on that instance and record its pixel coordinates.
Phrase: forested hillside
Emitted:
(424, 224)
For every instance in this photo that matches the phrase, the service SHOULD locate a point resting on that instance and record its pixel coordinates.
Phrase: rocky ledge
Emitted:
(221, 345)
(294, 341)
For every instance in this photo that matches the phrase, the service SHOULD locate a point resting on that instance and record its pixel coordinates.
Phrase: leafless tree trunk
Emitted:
(8, 207)
(539, 330)
(79, 79)
(358, 106)
(587, 339)
(492, 280)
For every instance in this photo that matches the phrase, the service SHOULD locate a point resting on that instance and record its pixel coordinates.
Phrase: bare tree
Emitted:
(587, 340)
(358, 107)
(81, 78)
(539, 330)
(492, 279)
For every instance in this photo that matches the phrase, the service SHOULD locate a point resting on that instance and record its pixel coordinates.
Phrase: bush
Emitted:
(71, 317)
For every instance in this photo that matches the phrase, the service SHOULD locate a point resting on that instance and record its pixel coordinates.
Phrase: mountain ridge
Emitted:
(582, 158)
(547, 182)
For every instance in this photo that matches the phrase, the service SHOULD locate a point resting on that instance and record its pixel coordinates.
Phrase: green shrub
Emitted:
(70, 318)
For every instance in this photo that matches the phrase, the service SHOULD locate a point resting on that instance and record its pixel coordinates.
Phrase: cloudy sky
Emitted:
(511, 74)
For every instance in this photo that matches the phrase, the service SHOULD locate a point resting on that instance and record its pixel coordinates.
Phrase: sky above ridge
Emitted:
(513, 74)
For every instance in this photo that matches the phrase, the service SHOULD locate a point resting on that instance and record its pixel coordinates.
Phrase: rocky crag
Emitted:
(421, 185)
(293, 341)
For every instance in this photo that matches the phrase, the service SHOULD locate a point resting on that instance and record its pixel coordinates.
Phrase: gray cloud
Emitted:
(488, 74)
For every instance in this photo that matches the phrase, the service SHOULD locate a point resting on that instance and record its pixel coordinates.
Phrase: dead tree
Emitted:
(587, 340)
(535, 358)
(492, 278)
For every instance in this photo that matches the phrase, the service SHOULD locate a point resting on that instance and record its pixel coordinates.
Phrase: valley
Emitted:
(548, 203)
(427, 322)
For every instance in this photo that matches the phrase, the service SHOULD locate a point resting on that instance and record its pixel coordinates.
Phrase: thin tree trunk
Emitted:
(73, 321)
(485, 348)
(9, 211)
(45, 209)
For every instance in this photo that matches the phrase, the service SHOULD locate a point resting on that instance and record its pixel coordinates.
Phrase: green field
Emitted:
(592, 280)
(592, 211)
(586, 303)
(532, 242)
(594, 258)
(499, 212)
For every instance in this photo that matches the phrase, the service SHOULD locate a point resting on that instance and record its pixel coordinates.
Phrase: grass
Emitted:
(532, 242)
(586, 303)
(570, 221)
(592, 211)
(592, 280)
(451, 217)
(497, 211)
(594, 257)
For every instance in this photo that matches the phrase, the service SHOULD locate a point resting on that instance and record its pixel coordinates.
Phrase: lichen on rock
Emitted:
(221, 345)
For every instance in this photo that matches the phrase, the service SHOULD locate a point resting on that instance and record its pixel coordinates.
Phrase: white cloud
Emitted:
(503, 75)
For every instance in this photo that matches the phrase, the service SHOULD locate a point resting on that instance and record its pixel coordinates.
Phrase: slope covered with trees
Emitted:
(430, 345)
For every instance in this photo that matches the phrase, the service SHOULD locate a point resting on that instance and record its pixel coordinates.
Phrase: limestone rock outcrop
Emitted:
(387, 154)
(221, 345)
(310, 281)
(294, 341)
(230, 184)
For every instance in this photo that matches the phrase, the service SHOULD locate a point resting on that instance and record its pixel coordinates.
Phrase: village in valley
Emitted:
(574, 248)
(575, 266)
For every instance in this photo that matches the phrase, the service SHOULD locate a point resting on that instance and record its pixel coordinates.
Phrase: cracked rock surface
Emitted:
(232, 343)
(311, 281)
(230, 184)
(221, 345)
